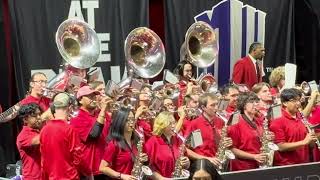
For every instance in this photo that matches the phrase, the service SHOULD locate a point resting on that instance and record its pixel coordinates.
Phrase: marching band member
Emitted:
(314, 119)
(28, 142)
(36, 89)
(142, 113)
(191, 103)
(210, 126)
(248, 70)
(290, 132)
(230, 91)
(277, 80)
(60, 146)
(185, 70)
(246, 135)
(121, 150)
(266, 100)
(92, 127)
(163, 148)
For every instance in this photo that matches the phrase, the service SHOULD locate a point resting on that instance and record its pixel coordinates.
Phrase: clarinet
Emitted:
(309, 128)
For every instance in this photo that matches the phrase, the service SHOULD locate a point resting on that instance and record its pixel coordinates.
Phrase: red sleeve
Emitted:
(150, 149)
(24, 140)
(238, 72)
(110, 152)
(0, 109)
(278, 131)
(83, 127)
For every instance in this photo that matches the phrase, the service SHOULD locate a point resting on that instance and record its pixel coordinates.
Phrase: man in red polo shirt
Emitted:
(290, 132)
(28, 141)
(92, 127)
(60, 146)
(230, 92)
(210, 127)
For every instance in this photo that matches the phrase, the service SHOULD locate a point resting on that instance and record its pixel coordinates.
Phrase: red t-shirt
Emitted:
(93, 149)
(119, 160)
(146, 126)
(43, 102)
(314, 119)
(61, 151)
(245, 138)
(210, 133)
(186, 125)
(163, 155)
(289, 129)
(30, 154)
(274, 91)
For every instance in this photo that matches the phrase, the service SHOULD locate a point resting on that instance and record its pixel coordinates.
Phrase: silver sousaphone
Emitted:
(78, 43)
(144, 52)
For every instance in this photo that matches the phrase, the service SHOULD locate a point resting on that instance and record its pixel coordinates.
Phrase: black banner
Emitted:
(310, 171)
(35, 22)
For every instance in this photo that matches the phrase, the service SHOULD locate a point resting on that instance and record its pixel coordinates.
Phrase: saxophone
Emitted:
(139, 170)
(309, 128)
(267, 146)
(179, 172)
(223, 154)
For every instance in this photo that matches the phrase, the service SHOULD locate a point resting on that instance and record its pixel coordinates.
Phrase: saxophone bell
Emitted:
(273, 146)
(229, 154)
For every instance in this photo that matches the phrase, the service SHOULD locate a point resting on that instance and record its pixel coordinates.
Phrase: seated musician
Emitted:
(191, 104)
(121, 151)
(163, 148)
(246, 135)
(210, 127)
(290, 132)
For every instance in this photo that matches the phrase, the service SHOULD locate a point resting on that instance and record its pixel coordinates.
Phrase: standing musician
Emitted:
(290, 132)
(92, 127)
(185, 70)
(262, 90)
(60, 145)
(163, 148)
(191, 104)
(277, 80)
(118, 159)
(28, 142)
(210, 126)
(248, 70)
(246, 135)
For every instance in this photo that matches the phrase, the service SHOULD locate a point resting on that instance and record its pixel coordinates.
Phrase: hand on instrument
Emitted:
(260, 158)
(215, 161)
(104, 103)
(310, 137)
(182, 112)
(185, 162)
(270, 136)
(140, 111)
(144, 157)
(227, 142)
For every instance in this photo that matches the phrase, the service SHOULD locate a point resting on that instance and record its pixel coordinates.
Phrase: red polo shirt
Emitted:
(43, 102)
(30, 154)
(186, 125)
(210, 133)
(61, 151)
(289, 129)
(314, 119)
(119, 160)
(146, 126)
(274, 91)
(245, 138)
(93, 149)
(163, 155)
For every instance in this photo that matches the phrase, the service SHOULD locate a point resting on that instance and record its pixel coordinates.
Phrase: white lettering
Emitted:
(104, 47)
(90, 5)
(75, 10)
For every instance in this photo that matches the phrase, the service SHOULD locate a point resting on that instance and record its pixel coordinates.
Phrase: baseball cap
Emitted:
(85, 90)
(61, 100)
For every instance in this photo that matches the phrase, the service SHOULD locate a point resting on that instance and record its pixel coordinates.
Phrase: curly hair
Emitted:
(28, 109)
(245, 98)
(276, 76)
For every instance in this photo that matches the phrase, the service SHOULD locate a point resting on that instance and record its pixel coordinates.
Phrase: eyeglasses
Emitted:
(41, 81)
(169, 104)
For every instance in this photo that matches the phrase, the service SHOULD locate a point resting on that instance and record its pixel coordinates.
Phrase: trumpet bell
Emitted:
(206, 82)
(201, 45)
(78, 43)
(144, 52)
